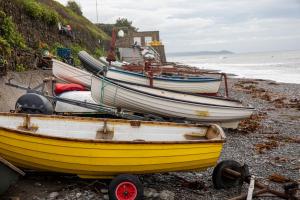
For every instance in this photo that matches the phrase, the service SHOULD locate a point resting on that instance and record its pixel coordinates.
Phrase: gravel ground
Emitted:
(268, 143)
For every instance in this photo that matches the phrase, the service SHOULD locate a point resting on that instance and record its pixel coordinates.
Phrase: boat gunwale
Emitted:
(100, 68)
(193, 80)
(174, 91)
(172, 99)
(29, 133)
(108, 120)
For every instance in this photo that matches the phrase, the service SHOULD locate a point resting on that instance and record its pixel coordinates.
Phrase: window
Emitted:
(148, 40)
(137, 40)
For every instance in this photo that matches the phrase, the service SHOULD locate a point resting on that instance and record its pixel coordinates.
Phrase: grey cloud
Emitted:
(238, 25)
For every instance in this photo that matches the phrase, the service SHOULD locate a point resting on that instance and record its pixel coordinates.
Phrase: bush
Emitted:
(20, 68)
(72, 5)
(99, 52)
(33, 8)
(10, 37)
(50, 17)
(54, 47)
(4, 47)
(75, 50)
(124, 22)
(40, 12)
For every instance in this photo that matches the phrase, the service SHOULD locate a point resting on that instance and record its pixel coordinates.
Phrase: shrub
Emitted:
(54, 47)
(72, 5)
(75, 50)
(51, 17)
(40, 12)
(4, 47)
(124, 22)
(32, 8)
(20, 68)
(10, 37)
(99, 52)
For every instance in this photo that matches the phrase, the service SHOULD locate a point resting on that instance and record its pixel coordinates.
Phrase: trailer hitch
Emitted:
(230, 173)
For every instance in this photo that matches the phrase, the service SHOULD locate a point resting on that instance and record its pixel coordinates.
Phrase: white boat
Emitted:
(170, 104)
(71, 74)
(82, 96)
(209, 105)
(202, 85)
(116, 64)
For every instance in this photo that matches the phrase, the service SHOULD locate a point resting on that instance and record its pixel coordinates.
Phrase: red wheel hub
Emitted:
(126, 191)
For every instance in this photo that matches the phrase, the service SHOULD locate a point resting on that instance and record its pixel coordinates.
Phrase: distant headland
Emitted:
(200, 53)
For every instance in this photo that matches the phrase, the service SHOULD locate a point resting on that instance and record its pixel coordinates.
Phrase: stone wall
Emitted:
(9, 95)
(128, 41)
(161, 50)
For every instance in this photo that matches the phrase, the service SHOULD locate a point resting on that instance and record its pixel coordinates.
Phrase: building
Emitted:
(143, 38)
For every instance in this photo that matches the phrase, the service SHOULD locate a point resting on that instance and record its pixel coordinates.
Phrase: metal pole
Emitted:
(251, 188)
(257, 184)
(97, 11)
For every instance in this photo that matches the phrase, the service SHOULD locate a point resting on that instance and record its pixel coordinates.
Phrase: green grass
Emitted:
(99, 52)
(75, 49)
(10, 37)
(39, 11)
(67, 16)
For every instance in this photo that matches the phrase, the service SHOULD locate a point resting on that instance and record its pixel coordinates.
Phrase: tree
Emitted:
(75, 7)
(123, 22)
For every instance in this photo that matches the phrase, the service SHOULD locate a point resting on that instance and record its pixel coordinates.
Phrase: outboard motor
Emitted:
(32, 103)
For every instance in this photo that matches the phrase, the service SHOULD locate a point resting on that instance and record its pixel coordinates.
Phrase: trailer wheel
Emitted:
(220, 180)
(126, 187)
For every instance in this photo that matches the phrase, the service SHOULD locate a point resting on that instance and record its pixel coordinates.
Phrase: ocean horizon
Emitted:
(279, 66)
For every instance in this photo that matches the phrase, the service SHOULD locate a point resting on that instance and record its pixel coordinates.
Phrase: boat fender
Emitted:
(91, 64)
(32, 103)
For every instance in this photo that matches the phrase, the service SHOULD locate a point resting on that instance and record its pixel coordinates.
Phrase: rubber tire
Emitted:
(221, 182)
(126, 178)
(90, 63)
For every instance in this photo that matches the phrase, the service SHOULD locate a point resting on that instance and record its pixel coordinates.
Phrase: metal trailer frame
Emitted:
(229, 173)
(101, 108)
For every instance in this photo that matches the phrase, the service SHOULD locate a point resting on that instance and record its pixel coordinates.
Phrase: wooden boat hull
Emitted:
(71, 74)
(102, 158)
(224, 112)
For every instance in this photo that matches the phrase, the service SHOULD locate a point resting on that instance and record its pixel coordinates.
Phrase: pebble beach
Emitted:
(268, 142)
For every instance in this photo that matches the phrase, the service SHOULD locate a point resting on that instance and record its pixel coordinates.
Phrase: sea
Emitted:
(278, 66)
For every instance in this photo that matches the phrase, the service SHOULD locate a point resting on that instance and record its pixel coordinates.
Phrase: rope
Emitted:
(102, 90)
(115, 96)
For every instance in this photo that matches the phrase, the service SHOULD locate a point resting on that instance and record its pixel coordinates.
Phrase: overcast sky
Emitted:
(208, 25)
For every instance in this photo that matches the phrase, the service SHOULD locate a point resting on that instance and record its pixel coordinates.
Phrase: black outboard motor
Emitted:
(32, 103)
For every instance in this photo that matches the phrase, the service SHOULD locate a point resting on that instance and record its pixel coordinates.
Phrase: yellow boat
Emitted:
(103, 148)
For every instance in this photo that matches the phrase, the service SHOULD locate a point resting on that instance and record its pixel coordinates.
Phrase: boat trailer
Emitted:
(38, 94)
(229, 173)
